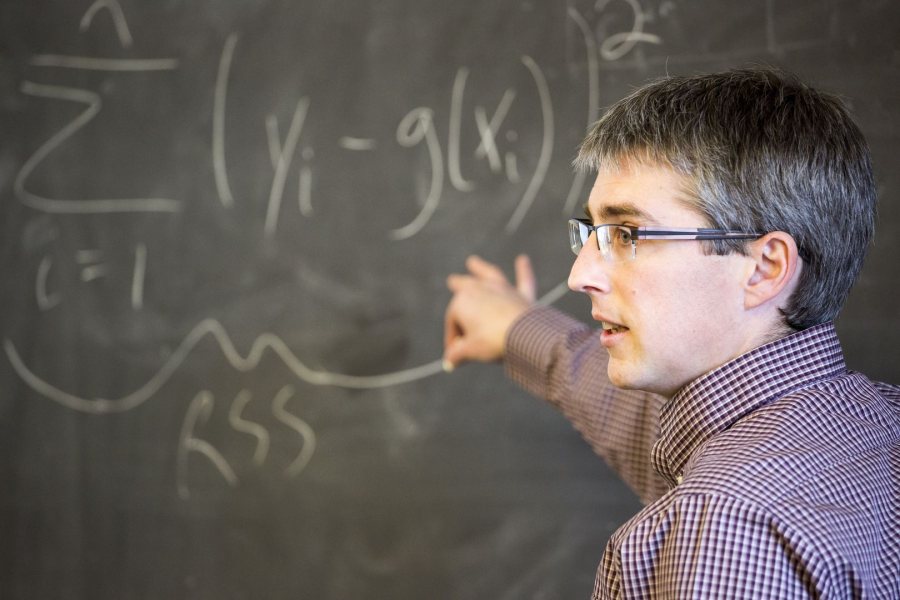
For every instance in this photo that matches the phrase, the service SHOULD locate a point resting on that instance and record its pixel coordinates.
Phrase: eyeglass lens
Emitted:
(613, 242)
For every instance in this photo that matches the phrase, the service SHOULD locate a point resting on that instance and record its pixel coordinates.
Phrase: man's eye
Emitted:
(623, 236)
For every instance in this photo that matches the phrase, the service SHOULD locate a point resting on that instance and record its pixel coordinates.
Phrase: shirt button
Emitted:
(678, 479)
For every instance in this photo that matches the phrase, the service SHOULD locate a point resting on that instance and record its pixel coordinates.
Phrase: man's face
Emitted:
(672, 312)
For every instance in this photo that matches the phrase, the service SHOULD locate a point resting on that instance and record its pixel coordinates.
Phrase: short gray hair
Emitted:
(761, 152)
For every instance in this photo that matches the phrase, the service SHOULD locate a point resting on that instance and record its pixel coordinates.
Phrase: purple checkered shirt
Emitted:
(776, 475)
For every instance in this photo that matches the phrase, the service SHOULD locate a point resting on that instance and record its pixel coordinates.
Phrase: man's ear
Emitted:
(776, 269)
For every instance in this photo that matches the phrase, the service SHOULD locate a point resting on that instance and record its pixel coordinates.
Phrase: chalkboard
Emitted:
(225, 232)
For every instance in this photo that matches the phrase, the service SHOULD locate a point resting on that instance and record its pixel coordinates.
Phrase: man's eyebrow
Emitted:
(617, 211)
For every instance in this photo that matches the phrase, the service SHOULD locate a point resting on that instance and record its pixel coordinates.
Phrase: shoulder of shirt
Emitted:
(784, 457)
(788, 472)
(769, 458)
(798, 437)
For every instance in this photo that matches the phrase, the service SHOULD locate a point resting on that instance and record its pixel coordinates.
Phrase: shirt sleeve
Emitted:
(560, 359)
(705, 546)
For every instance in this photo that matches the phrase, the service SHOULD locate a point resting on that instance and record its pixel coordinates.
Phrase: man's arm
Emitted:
(554, 357)
(561, 360)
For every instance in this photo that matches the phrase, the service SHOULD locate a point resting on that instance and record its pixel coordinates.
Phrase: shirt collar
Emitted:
(714, 401)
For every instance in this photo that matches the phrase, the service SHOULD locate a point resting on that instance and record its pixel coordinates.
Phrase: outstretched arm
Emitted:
(555, 357)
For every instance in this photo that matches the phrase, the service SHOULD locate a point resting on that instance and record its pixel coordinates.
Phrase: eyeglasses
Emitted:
(619, 242)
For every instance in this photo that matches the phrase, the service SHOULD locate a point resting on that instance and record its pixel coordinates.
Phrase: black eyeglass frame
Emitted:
(650, 233)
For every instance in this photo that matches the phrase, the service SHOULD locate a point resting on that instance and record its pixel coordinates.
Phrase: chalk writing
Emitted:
(279, 409)
(618, 45)
(137, 279)
(72, 206)
(417, 125)
(200, 409)
(354, 143)
(45, 299)
(218, 137)
(285, 156)
(92, 267)
(239, 423)
(198, 414)
(546, 146)
(214, 329)
(590, 46)
(88, 63)
(496, 130)
(487, 133)
(416, 128)
(304, 188)
(118, 17)
(456, 178)
(211, 327)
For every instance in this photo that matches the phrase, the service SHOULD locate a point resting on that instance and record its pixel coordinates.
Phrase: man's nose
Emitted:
(589, 271)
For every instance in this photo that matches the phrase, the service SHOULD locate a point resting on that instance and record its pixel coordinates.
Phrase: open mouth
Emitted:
(612, 327)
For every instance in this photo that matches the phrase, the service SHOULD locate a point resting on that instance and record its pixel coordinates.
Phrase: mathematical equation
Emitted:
(289, 154)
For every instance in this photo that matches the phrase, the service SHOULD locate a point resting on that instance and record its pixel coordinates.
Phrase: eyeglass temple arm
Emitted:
(697, 234)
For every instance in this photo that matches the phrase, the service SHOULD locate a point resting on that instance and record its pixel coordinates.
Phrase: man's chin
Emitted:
(627, 376)
(621, 376)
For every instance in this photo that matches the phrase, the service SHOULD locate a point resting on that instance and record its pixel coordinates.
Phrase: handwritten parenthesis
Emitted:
(61, 206)
(456, 99)
(218, 141)
(418, 124)
(593, 65)
(546, 147)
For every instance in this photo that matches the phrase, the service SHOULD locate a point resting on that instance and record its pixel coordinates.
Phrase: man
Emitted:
(729, 218)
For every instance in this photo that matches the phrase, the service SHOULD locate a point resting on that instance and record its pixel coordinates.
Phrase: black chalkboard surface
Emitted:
(224, 237)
